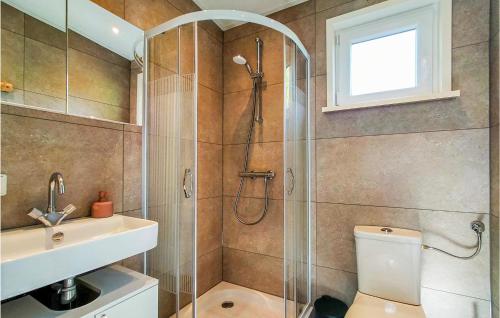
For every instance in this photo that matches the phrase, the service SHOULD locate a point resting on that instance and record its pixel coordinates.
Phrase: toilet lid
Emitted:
(365, 306)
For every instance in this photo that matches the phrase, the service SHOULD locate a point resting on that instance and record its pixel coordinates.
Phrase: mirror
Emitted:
(92, 70)
(34, 53)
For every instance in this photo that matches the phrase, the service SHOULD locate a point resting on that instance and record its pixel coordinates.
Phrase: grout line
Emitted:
(250, 89)
(247, 197)
(404, 133)
(255, 253)
(335, 269)
(212, 197)
(399, 207)
(66, 122)
(210, 88)
(209, 198)
(470, 44)
(457, 294)
(258, 142)
(208, 143)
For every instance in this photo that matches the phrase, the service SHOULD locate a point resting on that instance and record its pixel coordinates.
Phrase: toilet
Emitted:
(388, 273)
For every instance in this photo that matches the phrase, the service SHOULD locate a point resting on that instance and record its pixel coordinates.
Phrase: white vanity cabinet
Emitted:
(141, 305)
(123, 294)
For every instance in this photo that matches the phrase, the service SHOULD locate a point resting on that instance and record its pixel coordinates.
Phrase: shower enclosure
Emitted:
(173, 71)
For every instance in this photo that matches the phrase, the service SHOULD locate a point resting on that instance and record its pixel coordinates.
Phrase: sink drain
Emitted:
(227, 304)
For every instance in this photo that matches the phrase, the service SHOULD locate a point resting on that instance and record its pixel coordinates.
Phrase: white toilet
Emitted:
(388, 273)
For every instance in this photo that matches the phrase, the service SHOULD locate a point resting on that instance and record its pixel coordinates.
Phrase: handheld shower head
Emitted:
(239, 59)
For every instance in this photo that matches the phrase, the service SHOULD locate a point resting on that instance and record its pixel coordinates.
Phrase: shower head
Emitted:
(239, 59)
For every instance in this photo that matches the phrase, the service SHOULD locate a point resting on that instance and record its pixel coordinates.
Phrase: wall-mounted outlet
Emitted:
(3, 184)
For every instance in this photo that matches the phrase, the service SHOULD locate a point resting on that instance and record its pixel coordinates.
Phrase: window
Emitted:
(390, 53)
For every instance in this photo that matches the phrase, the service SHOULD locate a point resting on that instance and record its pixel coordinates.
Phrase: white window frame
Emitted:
(431, 17)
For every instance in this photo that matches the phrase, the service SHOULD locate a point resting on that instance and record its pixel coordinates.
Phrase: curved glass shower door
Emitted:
(170, 169)
(296, 184)
(246, 279)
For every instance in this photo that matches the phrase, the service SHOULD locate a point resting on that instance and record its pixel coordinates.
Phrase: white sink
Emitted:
(32, 259)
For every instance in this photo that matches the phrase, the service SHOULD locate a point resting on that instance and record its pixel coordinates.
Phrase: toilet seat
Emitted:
(366, 306)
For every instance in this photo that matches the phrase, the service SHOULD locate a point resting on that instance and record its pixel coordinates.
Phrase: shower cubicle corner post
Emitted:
(144, 154)
(195, 181)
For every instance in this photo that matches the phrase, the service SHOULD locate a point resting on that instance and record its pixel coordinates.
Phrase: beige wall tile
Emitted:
(12, 19)
(50, 146)
(117, 7)
(335, 283)
(42, 32)
(132, 147)
(185, 6)
(84, 45)
(51, 116)
(238, 109)
(447, 230)
(256, 271)
(209, 170)
(209, 115)
(272, 60)
(45, 69)
(209, 270)
(13, 59)
(45, 101)
(266, 237)
(440, 170)
(263, 157)
(89, 108)
(135, 263)
(96, 80)
(470, 22)
(305, 29)
(470, 76)
(210, 52)
(272, 56)
(209, 225)
(236, 77)
(438, 304)
(146, 14)
(294, 13)
(241, 31)
(322, 5)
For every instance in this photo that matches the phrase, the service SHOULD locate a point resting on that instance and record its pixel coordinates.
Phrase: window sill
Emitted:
(395, 101)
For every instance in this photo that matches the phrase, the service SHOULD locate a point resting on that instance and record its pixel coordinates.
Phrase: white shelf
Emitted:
(395, 101)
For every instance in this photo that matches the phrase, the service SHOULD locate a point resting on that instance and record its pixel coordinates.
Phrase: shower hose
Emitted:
(255, 99)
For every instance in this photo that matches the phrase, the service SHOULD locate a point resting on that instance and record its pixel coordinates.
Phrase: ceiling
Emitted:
(263, 7)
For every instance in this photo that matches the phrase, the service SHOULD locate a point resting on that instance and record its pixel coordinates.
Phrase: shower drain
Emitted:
(227, 304)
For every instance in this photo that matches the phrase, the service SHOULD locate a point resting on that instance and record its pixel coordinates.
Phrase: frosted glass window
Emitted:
(384, 64)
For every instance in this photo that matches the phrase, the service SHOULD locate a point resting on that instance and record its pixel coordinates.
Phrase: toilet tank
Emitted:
(389, 263)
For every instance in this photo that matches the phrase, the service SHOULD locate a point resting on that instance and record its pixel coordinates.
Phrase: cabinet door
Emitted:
(143, 305)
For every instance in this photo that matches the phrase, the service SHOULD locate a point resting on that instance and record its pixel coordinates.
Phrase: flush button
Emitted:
(386, 230)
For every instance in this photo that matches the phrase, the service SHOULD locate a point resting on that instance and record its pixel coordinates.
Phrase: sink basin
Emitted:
(33, 257)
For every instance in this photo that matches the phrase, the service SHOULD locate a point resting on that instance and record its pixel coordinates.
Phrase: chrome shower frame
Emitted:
(246, 17)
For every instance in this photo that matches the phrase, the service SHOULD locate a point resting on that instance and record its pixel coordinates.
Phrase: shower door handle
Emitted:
(188, 191)
(291, 181)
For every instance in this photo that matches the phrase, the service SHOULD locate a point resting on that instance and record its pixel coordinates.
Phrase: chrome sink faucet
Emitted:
(56, 179)
(52, 217)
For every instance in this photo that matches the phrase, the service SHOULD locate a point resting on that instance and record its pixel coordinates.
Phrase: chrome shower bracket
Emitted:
(478, 227)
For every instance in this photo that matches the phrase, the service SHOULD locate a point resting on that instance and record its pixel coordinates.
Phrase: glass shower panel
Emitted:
(171, 168)
(297, 241)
